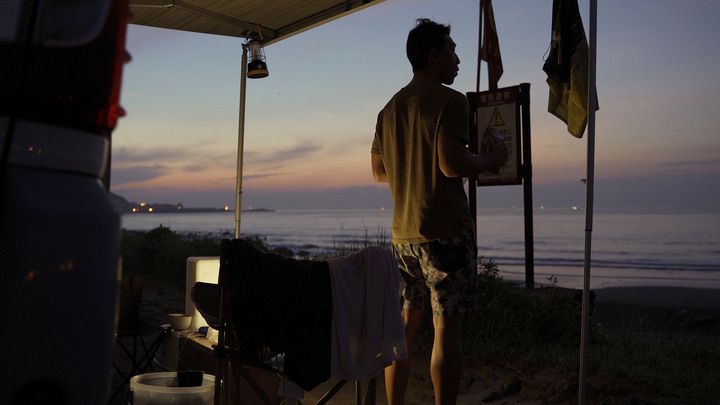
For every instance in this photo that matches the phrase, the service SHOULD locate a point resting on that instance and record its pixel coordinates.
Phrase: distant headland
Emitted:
(124, 206)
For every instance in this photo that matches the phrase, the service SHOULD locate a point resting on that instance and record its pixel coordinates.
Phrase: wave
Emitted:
(610, 264)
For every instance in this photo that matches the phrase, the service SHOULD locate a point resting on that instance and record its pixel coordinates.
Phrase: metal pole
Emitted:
(472, 181)
(480, 41)
(589, 185)
(524, 105)
(241, 142)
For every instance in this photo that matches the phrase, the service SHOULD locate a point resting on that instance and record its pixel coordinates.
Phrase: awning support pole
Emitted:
(241, 142)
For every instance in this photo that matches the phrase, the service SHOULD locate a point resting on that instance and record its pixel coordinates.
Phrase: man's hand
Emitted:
(494, 148)
(499, 151)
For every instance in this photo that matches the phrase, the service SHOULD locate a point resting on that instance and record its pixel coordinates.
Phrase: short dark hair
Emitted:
(426, 36)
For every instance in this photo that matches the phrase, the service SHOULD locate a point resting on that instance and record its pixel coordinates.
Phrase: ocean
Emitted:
(629, 247)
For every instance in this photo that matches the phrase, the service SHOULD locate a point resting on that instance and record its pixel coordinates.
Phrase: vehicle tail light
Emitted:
(64, 81)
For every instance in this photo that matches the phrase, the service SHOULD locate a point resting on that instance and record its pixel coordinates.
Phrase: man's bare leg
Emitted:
(398, 374)
(446, 360)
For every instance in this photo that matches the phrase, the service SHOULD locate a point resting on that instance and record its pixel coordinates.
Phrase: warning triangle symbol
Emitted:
(496, 120)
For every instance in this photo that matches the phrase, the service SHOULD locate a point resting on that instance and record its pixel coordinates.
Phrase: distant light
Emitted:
(150, 209)
(143, 204)
(30, 275)
(67, 266)
(382, 208)
(227, 208)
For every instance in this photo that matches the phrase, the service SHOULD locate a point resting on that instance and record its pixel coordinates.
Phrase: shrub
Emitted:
(160, 254)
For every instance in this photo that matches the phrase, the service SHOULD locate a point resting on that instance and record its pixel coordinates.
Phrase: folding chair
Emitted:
(233, 354)
(131, 335)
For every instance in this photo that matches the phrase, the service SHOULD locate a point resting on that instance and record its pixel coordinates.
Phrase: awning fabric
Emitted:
(272, 19)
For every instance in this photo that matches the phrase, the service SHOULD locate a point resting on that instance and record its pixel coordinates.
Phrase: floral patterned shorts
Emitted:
(444, 269)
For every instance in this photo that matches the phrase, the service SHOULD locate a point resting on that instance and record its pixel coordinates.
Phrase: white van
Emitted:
(60, 68)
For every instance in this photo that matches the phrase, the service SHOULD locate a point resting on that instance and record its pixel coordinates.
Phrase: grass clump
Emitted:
(681, 369)
(344, 245)
(160, 255)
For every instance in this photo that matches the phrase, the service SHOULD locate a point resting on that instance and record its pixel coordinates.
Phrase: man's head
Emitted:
(429, 43)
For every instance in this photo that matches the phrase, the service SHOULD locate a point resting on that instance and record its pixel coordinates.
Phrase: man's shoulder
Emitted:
(436, 96)
(439, 89)
(444, 95)
(445, 90)
(435, 92)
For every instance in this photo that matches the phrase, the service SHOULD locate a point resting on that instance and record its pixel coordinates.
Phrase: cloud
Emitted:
(279, 162)
(260, 176)
(194, 168)
(346, 198)
(134, 155)
(693, 163)
(140, 164)
(279, 157)
(133, 174)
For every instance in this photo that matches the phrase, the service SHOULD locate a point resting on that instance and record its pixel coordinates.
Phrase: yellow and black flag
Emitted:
(567, 67)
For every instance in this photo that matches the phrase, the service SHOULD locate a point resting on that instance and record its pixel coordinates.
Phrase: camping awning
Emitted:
(271, 19)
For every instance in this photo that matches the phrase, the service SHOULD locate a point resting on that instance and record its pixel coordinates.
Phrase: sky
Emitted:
(309, 125)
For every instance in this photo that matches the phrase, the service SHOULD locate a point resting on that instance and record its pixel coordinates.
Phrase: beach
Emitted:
(690, 311)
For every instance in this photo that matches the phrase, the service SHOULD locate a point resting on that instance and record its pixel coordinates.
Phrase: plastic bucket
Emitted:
(162, 389)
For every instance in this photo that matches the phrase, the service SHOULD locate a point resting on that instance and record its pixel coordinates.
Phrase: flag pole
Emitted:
(472, 184)
(480, 42)
(589, 191)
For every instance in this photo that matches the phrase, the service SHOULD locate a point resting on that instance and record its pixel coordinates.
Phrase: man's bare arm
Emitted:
(456, 161)
(378, 168)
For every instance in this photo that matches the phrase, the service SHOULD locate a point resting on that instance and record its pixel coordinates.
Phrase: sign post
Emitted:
(506, 111)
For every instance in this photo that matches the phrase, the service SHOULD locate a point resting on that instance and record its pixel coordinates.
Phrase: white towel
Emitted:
(367, 328)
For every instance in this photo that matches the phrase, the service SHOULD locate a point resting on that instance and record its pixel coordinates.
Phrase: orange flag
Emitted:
(490, 49)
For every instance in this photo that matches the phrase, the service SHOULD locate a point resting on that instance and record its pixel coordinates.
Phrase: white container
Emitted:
(162, 389)
(180, 321)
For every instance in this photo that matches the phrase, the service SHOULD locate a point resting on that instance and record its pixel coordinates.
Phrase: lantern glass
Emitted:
(257, 68)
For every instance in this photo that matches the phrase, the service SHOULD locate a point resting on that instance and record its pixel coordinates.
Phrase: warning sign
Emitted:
(496, 119)
(499, 109)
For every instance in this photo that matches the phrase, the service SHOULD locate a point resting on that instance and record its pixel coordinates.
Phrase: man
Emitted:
(420, 150)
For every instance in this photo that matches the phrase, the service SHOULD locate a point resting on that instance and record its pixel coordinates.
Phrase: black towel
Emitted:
(281, 303)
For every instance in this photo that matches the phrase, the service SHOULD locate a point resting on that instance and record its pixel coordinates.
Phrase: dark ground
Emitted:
(700, 322)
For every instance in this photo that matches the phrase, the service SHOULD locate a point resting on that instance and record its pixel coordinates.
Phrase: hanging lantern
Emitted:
(257, 68)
